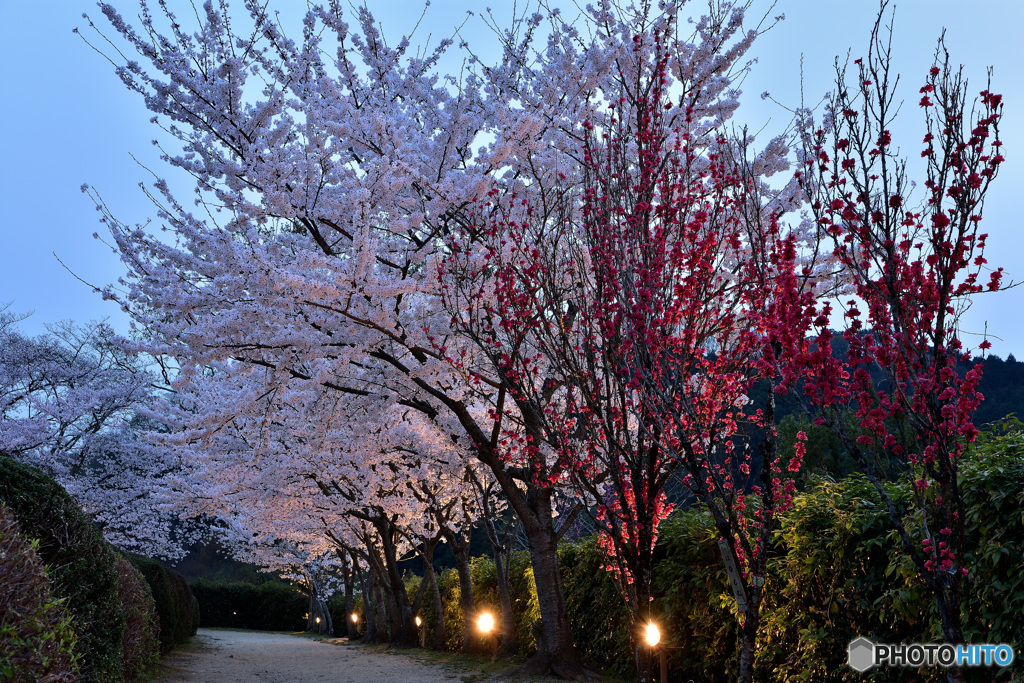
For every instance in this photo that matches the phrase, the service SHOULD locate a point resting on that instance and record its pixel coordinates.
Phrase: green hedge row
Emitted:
(37, 641)
(271, 606)
(83, 566)
(837, 572)
(176, 607)
(111, 605)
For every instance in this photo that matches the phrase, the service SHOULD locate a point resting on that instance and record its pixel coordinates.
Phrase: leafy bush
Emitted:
(598, 618)
(523, 591)
(82, 564)
(271, 606)
(140, 647)
(37, 642)
(176, 607)
(837, 572)
(336, 606)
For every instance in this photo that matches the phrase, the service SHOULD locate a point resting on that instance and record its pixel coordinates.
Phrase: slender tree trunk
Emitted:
(351, 628)
(748, 637)
(460, 551)
(369, 612)
(438, 630)
(380, 610)
(508, 623)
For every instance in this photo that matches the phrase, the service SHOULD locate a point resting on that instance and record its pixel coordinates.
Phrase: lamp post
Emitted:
(355, 620)
(318, 625)
(485, 623)
(653, 636)
(423, 631)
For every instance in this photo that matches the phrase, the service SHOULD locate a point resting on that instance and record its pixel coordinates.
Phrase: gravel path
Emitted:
(223, 656)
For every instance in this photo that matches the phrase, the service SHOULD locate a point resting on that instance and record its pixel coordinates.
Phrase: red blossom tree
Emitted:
(912, 267)
(630, 324)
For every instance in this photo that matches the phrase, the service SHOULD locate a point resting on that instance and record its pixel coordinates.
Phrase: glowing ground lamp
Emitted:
(355, 621)
(485, 624)
(653, 636)
(318, 624)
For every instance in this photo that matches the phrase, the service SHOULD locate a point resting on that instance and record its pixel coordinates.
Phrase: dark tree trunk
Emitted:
(556, 654)
(351, 628)
(369, 610)
(460, 551)
(508, 623)
(438, 631)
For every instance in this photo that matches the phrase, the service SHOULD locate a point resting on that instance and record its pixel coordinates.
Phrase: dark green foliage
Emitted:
(1003, 387)
(176, 608)
(82, 564)
(838, 571)
(37, 641)
(210, 561)
(843, 575)
(336, 606)
(270, 606)
(599, 619)
(992, 480)
(140, 647)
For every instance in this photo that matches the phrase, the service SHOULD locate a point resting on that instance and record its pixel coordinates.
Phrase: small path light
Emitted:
(653, 636)
(318, 624)
(485, 622)
(423, 631)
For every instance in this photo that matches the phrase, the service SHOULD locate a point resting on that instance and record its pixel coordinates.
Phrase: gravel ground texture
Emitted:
(224, 656)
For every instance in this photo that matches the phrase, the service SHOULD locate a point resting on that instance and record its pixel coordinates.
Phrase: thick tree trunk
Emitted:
(556, 654)
(403, 620)
(430, 580)
(380, 611)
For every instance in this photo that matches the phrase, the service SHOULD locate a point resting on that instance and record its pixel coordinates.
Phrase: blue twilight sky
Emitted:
(67, 120)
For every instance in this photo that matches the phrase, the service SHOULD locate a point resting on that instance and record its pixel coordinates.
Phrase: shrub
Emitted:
(37, 642)
(140, 647)
(340, 617)
(271, 606)
(176, 607)
(598, 617)
(523, 591)
(837, 572)
(82, 564)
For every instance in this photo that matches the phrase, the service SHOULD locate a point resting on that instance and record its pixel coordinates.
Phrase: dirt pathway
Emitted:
(222, 656)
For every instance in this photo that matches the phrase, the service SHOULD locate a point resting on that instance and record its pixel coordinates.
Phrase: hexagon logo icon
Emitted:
(861, 654)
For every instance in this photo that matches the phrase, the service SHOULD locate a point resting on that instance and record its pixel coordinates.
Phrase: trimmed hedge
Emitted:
(140, 648)
(82, 565)
(37, 641)
(176, 607)
(271, 606)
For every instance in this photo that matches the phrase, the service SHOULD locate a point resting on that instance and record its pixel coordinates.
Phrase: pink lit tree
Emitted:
(330, 174)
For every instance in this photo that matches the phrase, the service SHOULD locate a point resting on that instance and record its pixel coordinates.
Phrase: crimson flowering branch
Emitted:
(912, 270)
